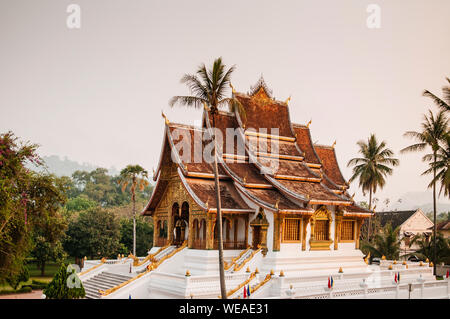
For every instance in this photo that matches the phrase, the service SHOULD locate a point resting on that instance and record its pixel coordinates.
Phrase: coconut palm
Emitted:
(442, 166)
(386, 243)
(136, 177)
(208, 88)
(425, 247)
(434, 129)
(372, 167)
(444, 103)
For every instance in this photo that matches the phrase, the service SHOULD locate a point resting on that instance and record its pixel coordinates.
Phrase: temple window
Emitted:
(292, 230)
(321, 230)
(347, 230)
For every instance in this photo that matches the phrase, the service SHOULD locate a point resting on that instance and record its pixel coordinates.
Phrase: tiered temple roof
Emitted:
(287, 176)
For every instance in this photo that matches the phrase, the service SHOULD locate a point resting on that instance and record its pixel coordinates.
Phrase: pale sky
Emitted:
(95, 94)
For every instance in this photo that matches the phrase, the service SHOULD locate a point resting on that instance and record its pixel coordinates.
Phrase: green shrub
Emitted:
(59, 288)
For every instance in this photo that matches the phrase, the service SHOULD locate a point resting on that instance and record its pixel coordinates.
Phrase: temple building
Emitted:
(288, 221)
(301, 206)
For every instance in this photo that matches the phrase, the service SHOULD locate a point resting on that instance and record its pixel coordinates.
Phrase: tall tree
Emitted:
(16, 221)
(444, 102)
(372, 167)
(208, 89)
(434, 129)
(95, 233)
(442, 166)
(136, 176)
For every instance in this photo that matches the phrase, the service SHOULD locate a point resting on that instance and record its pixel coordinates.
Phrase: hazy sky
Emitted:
(95, 94)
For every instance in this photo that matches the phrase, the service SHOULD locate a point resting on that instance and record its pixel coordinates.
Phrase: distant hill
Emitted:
(66, 167)
(422, 200)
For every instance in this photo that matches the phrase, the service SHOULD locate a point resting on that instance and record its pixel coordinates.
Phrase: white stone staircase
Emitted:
(103, 281)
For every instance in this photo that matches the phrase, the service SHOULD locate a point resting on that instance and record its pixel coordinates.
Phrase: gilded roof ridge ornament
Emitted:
(334, 144)
(309, 123)
(288, 99)
(165, 118)
(276, 203)
(261, 83)
(232, 88)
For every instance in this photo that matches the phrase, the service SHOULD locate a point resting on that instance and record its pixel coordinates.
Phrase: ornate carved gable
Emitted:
(260, 91)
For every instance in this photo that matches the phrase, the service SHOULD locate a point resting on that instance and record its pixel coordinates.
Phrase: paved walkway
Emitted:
(35, 294)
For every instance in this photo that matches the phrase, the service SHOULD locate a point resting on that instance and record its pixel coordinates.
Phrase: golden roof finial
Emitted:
(281, 273)
(188, 273)
(340, 270)
(245, 178)
(309, 123)
(276, 203)
(334, 144)
(353, 196)
(232, 88)
(248, 269)
(288, 99)
(165, 118)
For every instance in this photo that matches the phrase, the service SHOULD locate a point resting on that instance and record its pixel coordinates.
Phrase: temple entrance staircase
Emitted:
(104, 280)
(241, 260)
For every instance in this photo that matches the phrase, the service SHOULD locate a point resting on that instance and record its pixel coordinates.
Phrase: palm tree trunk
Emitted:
(370, 218)
(134, 224)
(223, 289)
(434, 214)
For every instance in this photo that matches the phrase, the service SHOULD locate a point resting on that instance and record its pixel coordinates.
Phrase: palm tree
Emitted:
(442, 166)
(137, 177)
(372, 168)
(434, 129)
(444, 103)
(386, 243)
(208, 89)
(425, 248)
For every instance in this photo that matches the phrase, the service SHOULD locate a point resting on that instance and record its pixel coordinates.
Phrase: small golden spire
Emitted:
(334, 144)
(165, 118)
(395, 262)
(276, 203)
(281, 273)
(421, 264)
(256, 270)
(383, 257)
(431, 264)
(309, 123)
(232, 88)
(248, 269)
(340, 270)
(271, 272)
(288, 99)
(390, 267)
(188, 274)
(427, 260)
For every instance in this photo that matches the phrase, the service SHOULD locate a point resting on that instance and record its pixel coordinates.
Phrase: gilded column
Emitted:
(337, 230)
(277, 232)
(156, 230)
(359, 223)
(191, 232)
(210, 220)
